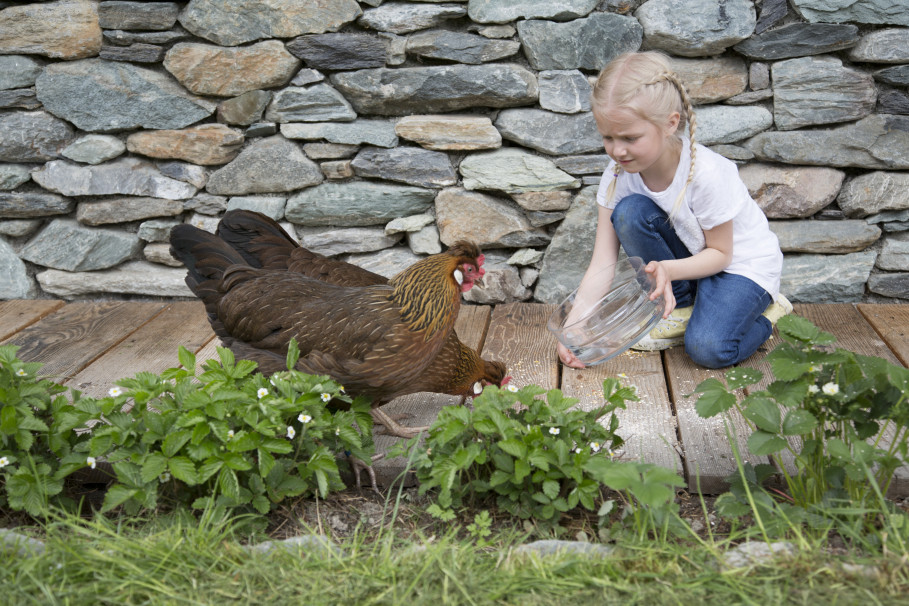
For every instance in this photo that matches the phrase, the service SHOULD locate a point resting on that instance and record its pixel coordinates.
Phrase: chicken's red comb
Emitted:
(505, 381)
(480, 260)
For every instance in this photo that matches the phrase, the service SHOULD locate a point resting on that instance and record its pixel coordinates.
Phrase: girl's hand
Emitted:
(568, 358)
(662, 286)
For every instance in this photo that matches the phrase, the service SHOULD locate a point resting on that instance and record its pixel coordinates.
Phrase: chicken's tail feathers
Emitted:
(258, 238)
(204, 254)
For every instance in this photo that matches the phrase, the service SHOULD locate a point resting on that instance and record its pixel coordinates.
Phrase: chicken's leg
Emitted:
(357, 465)
(393, 428)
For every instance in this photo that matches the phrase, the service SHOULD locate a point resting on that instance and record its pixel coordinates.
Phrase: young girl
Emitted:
(683, 209)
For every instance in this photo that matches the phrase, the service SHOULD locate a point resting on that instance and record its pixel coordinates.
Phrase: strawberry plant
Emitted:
(35, 454)
(535, 457)
(828, 409)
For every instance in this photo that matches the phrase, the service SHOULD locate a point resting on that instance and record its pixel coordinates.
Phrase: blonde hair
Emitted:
(645, 84)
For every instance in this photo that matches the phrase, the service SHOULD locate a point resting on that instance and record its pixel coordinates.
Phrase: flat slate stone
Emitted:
(316, 103)
(403, 18)
(695, 28)
(339, 51)
(506, 11)
(98, 95)
(825, 237)
(66, 245)
(892, 12)
(826, 278)
(380, 133)
(819, 90)
(411, 165)
(874, 142)
(271, 165)
(30, 205)
(124, 209)
(130, 176)
(32, 136)
(511, 170)
(588, 43)
(799, 40)
(132, 278)
(399, 92)
(19, 71)
(549, 132)
(460, 47)
(357, 203)
(239, 21)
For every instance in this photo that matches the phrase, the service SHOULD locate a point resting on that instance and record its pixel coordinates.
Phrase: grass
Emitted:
(178, 559)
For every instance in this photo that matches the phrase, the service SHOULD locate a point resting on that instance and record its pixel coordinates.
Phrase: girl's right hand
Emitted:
(568, 358)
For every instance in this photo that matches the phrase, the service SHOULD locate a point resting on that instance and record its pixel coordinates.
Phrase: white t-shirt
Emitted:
(715, 196)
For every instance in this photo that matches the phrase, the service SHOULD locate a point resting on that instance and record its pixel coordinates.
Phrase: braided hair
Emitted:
(645, 84)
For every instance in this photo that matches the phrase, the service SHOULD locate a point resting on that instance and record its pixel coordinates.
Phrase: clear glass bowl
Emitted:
(615, 314)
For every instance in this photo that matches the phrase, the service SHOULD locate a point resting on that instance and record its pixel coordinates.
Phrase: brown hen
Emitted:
(457, 369)
(376, 340)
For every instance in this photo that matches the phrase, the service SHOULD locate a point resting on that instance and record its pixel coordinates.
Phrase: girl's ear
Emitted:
(672, 124)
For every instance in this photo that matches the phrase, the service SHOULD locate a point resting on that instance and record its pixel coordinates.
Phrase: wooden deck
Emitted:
(89, 345)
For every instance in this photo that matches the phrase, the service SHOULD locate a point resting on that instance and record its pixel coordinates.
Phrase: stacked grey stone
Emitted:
(383, 131)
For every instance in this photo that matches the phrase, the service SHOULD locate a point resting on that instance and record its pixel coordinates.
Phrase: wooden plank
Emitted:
(891, 322)
(708, 455)
(518, 337)
(648, 425)
(20, 313)
(152, 348)
(421, 409)
(852, 332)
(71, 338)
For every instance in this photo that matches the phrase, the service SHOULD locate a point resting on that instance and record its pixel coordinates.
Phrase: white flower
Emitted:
(813, 368)
(831, 389)
(262, 392)
(291, 432)
(21, 372)
(623, 375)
(577, 450)
(114, 392)
(230, 434)
(337, 431)
(513, 388)
(554, 431)
(303, 418)
(4, 461)
(164, 478)
(91, 462)
(326, 397)
(595, 446)
(813, 389)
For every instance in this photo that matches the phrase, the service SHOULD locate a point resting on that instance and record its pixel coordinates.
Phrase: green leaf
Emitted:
(152, 467)
(117, 495)
(763, 443)
(514, 447)
(521, 470)
(839, 449)
(293, 354)
(187, 359)
(799, 422)
(175, 441)
(8, 419)
(551, 488)
(184, 470)
(740, 377)
(714, 398)
(763, 412)
(229, 484)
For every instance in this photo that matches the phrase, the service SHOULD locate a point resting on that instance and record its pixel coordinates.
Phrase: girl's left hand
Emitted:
(662, 286)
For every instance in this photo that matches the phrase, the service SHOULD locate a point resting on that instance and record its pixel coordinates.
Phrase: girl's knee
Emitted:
(710, 353)
(631, 212)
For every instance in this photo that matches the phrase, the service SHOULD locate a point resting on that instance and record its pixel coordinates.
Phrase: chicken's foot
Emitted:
(357, 465)
(393, 428)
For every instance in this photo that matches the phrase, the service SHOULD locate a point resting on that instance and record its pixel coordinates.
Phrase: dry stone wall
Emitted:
(381, 131)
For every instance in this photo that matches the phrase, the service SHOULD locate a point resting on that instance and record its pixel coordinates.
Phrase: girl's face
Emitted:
(637, 144)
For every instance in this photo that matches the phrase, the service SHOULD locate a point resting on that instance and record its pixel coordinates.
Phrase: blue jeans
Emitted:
(726, 324)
